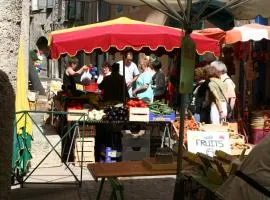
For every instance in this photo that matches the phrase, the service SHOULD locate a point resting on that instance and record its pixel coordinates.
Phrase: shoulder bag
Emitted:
(229, 108)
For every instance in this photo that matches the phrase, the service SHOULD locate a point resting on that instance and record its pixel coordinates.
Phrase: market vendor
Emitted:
(252, 180)
(112, 85)
(106, 71)
(69, 82)
(131, 71)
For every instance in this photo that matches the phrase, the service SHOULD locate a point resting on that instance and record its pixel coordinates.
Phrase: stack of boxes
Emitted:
(85, 142)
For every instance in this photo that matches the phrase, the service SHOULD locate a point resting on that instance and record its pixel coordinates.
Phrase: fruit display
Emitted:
(136, 103)
(190, 124)
(160, 108)
(115, 113)
(237, 148)
(96, 114)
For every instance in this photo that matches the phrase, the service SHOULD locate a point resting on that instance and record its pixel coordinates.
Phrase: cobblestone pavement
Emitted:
(54, 172)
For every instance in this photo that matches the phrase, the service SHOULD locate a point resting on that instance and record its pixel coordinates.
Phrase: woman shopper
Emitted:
(197, 105)
(69, 82)
(158, 81)
(143, 89)
(216, 96)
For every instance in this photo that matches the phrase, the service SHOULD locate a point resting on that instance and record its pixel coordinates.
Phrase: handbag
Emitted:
(229, 108)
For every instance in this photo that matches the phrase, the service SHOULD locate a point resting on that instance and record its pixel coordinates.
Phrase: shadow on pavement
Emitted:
(134, 189)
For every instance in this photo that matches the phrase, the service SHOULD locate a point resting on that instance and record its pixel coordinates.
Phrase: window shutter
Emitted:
(34, 5)
(50, 4)
(42, 4)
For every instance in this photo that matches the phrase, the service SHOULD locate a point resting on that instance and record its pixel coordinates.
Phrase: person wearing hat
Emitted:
(112, 84)
(231, 96)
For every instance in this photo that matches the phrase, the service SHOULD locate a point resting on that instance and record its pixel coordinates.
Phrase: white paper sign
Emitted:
(208, 142)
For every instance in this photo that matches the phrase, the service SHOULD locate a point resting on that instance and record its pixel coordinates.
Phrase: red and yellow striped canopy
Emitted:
(122, 33)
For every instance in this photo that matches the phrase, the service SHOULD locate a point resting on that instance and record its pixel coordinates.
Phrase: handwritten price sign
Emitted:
(208, 142)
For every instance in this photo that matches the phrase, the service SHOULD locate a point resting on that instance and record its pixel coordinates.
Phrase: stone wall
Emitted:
(10, 20)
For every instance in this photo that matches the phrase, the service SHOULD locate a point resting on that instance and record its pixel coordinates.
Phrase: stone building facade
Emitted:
(10, 29)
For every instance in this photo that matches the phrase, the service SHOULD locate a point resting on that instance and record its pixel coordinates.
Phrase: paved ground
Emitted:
(52, 172)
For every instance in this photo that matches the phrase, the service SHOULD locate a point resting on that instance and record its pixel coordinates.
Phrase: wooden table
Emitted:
(121, 169)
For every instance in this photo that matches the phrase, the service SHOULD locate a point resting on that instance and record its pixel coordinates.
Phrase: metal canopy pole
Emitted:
(124, 79)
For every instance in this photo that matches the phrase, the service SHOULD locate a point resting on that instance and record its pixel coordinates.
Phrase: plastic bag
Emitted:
(86, 78)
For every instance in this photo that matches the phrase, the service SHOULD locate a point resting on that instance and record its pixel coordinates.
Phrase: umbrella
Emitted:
(241, 9)
(255, 32)
(124, 33)
(23, 128)
(244, 33)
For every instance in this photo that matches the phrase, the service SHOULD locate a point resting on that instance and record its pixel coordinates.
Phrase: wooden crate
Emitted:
(88, 158)
(88, 151)
(139, 114)
(87, 145)
(76, 117)
(87, 131)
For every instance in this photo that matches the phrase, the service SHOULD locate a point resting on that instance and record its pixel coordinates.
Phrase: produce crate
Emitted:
(87, 131)
(139, 114)
(135, 146)
(88, 151)
(136, 140)
(156, 117)
(87, 142)
(135, 153)
(155, 143)
(237, 151)
(92, 87)
(88, 158)
(76, 117)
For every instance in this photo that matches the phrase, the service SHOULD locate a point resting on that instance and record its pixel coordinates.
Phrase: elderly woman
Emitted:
(143, 89)
(216, 96)
(222, 69)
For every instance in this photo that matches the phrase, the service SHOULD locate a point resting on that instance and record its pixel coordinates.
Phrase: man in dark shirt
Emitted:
(113, 85)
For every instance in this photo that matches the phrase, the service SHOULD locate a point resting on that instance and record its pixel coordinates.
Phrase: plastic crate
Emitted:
(155, 117)
(92, 87)
(135, 153)
(132, 140)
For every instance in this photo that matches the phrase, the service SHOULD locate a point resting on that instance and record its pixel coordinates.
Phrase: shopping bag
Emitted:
(86, 78)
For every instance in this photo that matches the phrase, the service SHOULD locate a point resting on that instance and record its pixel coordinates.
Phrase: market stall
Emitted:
(117, 35)
(246, 56)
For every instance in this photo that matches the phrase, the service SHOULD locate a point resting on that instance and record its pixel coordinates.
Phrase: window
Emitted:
(75, 10)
